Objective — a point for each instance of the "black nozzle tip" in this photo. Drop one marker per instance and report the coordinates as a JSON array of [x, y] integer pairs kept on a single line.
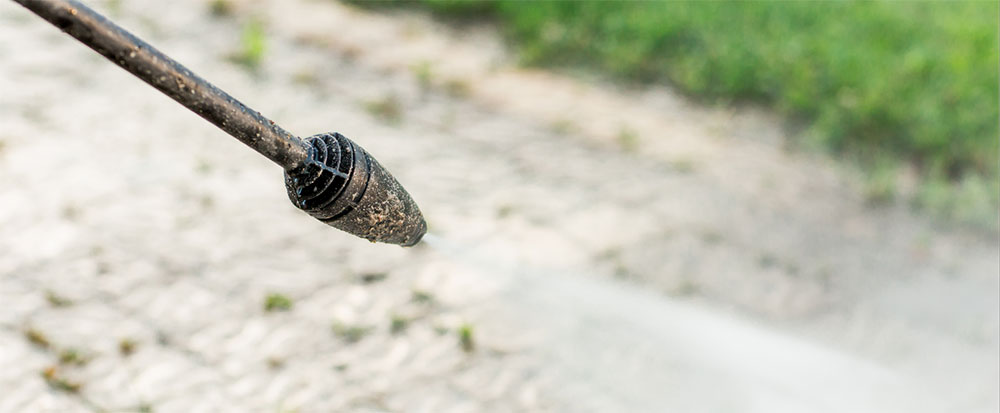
[[343, 186]]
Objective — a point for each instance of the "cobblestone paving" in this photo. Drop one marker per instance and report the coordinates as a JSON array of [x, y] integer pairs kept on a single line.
[[138, 246], [144, 243]]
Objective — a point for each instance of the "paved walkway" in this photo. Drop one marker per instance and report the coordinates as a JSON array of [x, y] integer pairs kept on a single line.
[[701, 270]]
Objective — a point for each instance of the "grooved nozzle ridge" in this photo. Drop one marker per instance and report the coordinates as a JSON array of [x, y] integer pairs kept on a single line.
[[343, 186]]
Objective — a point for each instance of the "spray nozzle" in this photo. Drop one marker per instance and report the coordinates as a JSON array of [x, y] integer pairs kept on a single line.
[[344, 187]]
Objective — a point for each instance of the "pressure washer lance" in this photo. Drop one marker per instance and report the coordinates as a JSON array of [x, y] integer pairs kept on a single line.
[[328, 176]]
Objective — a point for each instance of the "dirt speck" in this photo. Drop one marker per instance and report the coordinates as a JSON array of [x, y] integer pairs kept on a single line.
[[127, 346], [37, 338], [57, 300], [55, 380]]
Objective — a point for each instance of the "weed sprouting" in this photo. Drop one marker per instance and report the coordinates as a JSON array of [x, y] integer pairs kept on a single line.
[[387, 109], [424, 74], [398, 324], [466, 338], [350, 333], [277, 302], [253, 45], [422, 297], [71, 356]]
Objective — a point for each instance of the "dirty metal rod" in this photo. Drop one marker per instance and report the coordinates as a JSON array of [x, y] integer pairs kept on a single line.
[[173, 79]]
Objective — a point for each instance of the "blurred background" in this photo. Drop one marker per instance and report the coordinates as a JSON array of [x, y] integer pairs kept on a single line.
[[633, 207]]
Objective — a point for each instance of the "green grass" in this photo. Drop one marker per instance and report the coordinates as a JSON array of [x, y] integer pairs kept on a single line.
[[915, 82]]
